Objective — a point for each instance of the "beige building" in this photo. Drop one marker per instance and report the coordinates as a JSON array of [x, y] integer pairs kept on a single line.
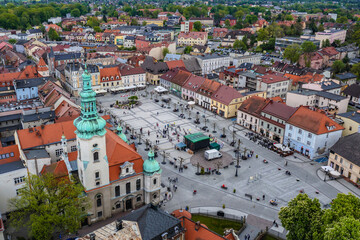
[[192, 38], [344, 157], [351, 122]]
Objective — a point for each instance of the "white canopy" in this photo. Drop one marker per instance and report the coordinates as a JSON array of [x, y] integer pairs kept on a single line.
[[335, 174], [327, 168], [282, 147], [100, 91], [160, 89], [191, 103]]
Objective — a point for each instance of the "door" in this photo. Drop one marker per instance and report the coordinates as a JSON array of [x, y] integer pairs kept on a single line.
[[128, 204]]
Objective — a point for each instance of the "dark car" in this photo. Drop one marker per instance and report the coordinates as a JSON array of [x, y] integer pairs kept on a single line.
[[166, 100]]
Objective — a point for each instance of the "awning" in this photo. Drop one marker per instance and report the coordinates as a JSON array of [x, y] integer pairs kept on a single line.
[[191, 103], [327, 168], [335, 174], [160, 89], [180, 145], [100, 91]]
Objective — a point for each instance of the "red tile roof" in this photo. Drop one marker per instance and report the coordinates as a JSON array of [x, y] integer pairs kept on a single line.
[[169, 75], [208, 88], [126, 70], [254, 105], [118, 152], [66, 112], [329, 51], [10, 150], [195, 231], [226, 94], [279, 110], [194, 83], [313, 121], [181, 77], [193, 35], [175, 64], [108, 73], [273, 78], [59, 169], [42, 65]]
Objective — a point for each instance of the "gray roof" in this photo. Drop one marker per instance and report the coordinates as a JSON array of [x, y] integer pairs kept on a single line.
[[248, 74], [76, 66], [10, 117], [50, 115], [28, 83], [345, 76], [12, 166], [36, 153], [192, 65], [353, 90], [67, 56], [355, 116], [74, 165], [153, 222], [211, 56], [328, 85], [348, 148], [153, 67], [319, 93], [34, 31]]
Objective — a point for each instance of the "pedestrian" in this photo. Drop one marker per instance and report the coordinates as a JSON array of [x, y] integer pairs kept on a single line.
[[263, 196], [148, 132], [285, 163]]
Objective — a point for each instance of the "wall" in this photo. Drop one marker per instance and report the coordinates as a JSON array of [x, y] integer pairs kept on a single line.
[[339, 163]]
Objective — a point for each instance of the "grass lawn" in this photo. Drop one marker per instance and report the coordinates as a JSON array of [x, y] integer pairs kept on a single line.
[[217, 225]]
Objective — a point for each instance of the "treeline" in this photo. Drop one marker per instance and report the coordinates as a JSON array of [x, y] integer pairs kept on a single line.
[[24, 17]]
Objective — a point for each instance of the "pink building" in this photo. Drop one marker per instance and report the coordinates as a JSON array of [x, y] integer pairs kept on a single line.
[[191, 86]]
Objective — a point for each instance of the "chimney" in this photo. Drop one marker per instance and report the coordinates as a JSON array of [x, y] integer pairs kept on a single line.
[[197, 225], [119, 224]]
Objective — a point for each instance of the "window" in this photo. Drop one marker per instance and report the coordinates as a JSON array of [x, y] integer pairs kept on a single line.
[[117, 205], [290, 127], [308, 142], [309, 135], [300, 131], [97, 175], [336, 156], [138, 184], [299, 139], [58, 152], [350, 128], [138, 199], [117, 191], [96, 156], [98, 200], [155, 180], [351, 166], [341, 160], [19, 180], [275, 128], [18, 191], [128, 188], [127, 170], [73, 148], [99, 214], [289, 134]]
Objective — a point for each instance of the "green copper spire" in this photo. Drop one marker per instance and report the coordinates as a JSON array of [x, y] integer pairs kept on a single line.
[[89, 123], [150, 165], [121, 134]]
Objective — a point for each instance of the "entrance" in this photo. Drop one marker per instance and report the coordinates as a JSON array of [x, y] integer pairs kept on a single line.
[[276, 138], [128, 204]]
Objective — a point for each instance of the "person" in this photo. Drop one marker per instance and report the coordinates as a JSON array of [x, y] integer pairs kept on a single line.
[[285, 163], [263, 196]]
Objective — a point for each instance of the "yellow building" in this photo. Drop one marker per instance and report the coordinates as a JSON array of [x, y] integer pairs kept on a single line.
[[149, 21], [345, 157], [119, 40], [351, 122], [192, 38], [227, 100]]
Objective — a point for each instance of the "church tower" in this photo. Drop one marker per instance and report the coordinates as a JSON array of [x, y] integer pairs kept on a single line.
[[93, 166], [152, 179]]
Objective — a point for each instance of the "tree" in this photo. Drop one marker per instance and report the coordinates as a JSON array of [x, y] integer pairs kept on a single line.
[[53, 205], [104, 18], [355, 69], [262, 34], [338, 67], [134, 22], [165, 51], [289, 18], [227, 23], [239, 45], [342, 19], [321, 28], [345, 228], [12, 41], [144, 23], [250, 19], [53, 35], [308, 47], [302, 218], [346, 59], [188, 49], [326, 43], [197, 26], [75, 12], [293, 53]]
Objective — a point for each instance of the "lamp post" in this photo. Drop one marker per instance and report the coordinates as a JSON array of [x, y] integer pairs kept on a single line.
[[164, 157], [139, 143], [214, 131]]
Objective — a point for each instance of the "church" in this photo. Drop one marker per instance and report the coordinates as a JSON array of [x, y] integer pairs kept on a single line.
[[114, 175]]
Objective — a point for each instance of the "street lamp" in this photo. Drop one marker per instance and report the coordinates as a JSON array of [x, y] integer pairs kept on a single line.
[[164, 155], [214, 131], [139, 143]]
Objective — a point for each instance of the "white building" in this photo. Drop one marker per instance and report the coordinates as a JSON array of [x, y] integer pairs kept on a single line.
[[311, 132], [210, 62], [274, 84]]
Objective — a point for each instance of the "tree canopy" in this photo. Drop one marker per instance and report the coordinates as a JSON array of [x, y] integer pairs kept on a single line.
[[197, 26], [308, 47], [293, 53], [53, 205], [304, 218]]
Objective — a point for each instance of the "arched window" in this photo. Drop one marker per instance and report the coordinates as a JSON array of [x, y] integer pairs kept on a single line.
[[98, 200], [154, 181], [96, 156]]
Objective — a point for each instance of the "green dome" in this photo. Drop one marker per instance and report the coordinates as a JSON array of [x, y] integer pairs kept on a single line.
[[88, 123], [150, 165], [121, 134]]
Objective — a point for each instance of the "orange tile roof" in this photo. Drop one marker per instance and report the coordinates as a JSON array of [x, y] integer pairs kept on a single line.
[[8, 150], [175, 64], [198, 232], [193, 35], [72, 156], [313, 121], [42, 65], [208, 87], [110, 72], [49, 134], [59, 169], [181, 213], [309, 77], [277, 99], [66, 112], [118, 152]]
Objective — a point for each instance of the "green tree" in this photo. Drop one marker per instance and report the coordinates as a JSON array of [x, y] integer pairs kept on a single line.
[[346, 59], [293, 53], [52, 204], [165, 51], [338, 67], [308, 47], [197, 26], [342, 19], [251, 19], [75, 12], [227, 23], [346, 228], [302, 218], [12, 41], [355, 69], [188, 49], [321, 28], [104, 18], [144, 23], [263, 34], [239, 45], [53, 35], [134, 22], [326, 43], [289, 18]]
